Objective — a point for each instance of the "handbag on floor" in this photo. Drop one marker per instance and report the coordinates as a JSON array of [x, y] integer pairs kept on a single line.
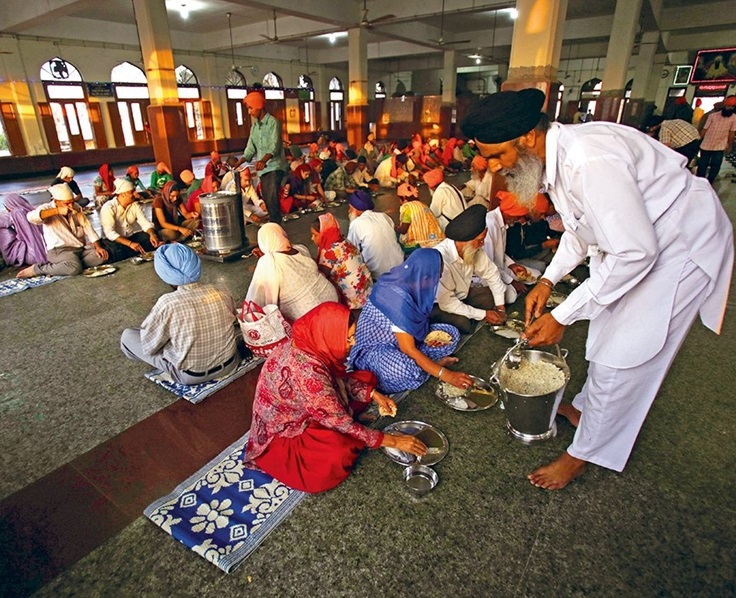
[[264, 328]]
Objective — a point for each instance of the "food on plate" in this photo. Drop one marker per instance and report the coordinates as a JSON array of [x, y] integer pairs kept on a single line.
[[532, 378]]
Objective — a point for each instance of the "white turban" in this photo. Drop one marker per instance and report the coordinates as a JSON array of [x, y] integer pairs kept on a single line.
[[65, 173], [61, 192], [123, 185]]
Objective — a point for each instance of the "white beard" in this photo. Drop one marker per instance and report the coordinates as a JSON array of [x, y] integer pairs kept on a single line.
[[524, 179], [469, 254]]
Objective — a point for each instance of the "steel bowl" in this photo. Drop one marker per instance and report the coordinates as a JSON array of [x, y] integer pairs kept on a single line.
[[420, 479]]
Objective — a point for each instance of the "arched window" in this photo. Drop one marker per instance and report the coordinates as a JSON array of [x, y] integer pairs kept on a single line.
[[591, 86], [235, 78], [337, 96], [305, 82], [236, 113], [380, 90], [67, 111], [274, 86], [131, 91], [589, 92], [272, 80], [198, 112]]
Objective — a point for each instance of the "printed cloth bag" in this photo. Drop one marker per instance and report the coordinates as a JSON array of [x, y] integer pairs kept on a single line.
[[264, 328]]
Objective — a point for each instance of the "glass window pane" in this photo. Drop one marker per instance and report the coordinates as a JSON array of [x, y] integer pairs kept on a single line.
[[189, 93], [130, 92], [126, 72], [135, 108], [71, 117], [190, 115], [58, 69], [239, 114], [65, 92], [236, 94], [125, 122], [274, 94], [84, 122], [61, 131], [198, 120]]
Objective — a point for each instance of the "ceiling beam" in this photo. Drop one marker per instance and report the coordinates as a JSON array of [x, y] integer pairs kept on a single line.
[[20, 15]]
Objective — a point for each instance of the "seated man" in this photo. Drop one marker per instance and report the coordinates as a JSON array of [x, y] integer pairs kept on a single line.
[[373, 234], [392, 171], [417, 225], [133, 175], [159, 177], [66, 175], [459, 303], [499, 216], [361, 175], [339, 182], [447, 201], [190, 333], [254, 208], [215, 168], [127, 230], [478, 188], [71, 242]]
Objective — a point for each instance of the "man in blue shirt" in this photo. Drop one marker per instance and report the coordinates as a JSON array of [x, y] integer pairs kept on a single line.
[[266, 145]]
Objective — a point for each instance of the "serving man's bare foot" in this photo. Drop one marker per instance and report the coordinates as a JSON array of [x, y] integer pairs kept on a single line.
[[569, 412], [559, 473], [28, 272]]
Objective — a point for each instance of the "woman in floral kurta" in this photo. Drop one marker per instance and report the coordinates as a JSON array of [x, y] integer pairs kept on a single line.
[[303, 431], [341, 262]]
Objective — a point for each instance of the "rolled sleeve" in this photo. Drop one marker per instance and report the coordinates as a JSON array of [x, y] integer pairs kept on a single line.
[[107, 219]]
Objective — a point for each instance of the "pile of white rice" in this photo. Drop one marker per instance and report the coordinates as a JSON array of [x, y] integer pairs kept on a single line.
[[449, 391], [532, 378]]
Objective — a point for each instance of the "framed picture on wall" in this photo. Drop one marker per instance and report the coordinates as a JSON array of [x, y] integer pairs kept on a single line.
[[682, 75]]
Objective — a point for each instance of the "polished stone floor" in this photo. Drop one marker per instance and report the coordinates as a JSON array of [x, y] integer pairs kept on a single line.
[[87, 443]]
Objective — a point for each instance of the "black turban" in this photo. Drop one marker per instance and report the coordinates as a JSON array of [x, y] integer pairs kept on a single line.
[[503, 116], [467, 225]]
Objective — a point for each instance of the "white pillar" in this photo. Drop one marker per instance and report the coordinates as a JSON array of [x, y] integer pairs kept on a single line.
[[449, 77]]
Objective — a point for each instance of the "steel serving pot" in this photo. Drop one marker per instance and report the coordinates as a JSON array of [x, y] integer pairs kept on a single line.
[[531, 418]]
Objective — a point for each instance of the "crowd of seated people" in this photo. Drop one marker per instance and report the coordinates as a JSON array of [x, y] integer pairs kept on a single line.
[[369, 299]]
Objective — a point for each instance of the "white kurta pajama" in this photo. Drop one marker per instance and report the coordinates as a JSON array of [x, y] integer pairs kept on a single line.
[[661, 251]]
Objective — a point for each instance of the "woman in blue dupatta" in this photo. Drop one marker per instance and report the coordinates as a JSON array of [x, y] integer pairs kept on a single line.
[[391, 338]]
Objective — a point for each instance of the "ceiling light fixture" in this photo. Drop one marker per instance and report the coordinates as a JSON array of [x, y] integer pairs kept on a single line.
[[477, 60], [333, 38], [512, 12], [184, 11]]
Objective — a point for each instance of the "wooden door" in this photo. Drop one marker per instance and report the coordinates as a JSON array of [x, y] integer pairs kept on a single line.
[[12, 129], [98, 127], [49, 128]]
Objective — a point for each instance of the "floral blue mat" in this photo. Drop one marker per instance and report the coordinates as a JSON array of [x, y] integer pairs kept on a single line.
[[16, 285], [224, 511], [199, 392]]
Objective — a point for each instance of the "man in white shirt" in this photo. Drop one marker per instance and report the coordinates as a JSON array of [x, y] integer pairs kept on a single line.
[[392, 171], [373, 234], [478, 188], [125, 226], [447, 201], [661, 253], [71, 242], [459, 303], [494, 246]]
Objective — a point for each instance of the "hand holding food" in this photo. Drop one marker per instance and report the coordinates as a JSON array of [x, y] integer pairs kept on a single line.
[[386, 406], [405, 442], [438, 338], [545, 330]]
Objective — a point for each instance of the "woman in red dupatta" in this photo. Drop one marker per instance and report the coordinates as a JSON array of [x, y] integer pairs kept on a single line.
[[303, 432]]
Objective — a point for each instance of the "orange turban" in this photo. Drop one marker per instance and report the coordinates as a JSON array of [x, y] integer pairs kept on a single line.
[[479, 163], [434, 177], [510, 205], [255, 100], [187, 176], [541, 206]]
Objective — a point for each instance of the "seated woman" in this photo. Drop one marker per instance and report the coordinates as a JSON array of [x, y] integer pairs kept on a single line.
[[104, 184], [287, 276], [170, 216], [392, 330], [341, 262], [296, 193], [21, 243], [66, 175], [303, 431]]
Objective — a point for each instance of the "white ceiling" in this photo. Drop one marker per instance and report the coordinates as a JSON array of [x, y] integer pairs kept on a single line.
[[482, 26]]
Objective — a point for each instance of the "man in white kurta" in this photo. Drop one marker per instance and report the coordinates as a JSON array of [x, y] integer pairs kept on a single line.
[[447, 201], [373, 234], [661, 253]]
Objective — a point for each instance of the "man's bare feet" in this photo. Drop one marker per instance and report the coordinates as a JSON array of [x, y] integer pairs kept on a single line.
[[569, 412], [559, 473], [26, 272], [449, 360]]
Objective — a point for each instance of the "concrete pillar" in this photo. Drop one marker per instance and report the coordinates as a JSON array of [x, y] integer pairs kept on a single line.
[[636, 108], [165, 114], [536, 45], [620, 44], [357, 110], [449, 91]]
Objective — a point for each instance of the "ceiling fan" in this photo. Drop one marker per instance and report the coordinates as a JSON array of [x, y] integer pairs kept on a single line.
[[368, 24], [441, 41], [275, 38], [235, 77]]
